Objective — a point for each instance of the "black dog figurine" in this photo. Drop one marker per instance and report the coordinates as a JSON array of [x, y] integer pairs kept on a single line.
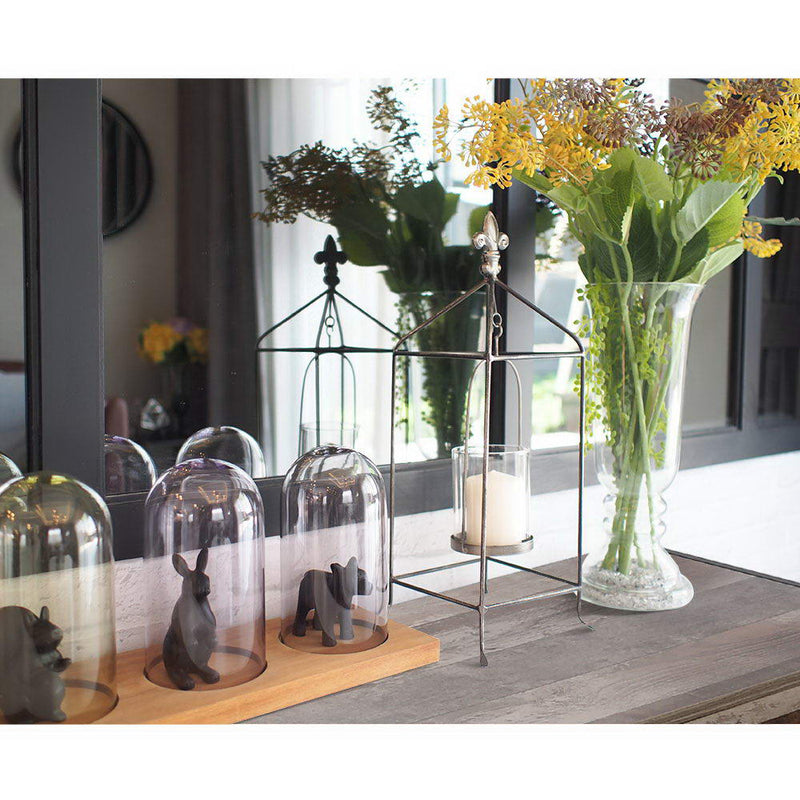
[[330, 594], [192, 634], [30, 688]]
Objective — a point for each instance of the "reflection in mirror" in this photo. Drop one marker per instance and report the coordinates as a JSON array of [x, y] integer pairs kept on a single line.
[[198, 277], [12, 301]]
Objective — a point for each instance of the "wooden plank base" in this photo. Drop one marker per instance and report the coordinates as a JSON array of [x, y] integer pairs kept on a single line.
[[291, 677]]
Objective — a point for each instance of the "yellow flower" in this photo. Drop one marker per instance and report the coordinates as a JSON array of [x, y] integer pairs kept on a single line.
[[157, 340], [755, 243], [197, 341]]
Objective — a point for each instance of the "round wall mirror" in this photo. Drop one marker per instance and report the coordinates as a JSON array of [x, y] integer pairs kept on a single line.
[[127, 170]]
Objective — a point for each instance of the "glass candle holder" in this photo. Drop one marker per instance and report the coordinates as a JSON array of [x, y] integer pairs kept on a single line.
[[225, 443], [507, 499], [334, 553], [57, 633], [318, 434], [204, 574], [129, 467]]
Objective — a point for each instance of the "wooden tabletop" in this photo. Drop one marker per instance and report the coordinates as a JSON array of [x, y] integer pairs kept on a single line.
[[731, 655]]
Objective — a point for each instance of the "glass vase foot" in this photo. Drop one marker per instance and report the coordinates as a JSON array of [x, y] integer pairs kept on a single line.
[[639, 590]]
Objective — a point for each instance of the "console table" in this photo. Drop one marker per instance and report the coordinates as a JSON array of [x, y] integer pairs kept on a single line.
[[732, 655]]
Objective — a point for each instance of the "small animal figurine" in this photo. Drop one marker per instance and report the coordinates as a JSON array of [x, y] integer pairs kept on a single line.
[[192, 634], [30, 688], [330, 594]]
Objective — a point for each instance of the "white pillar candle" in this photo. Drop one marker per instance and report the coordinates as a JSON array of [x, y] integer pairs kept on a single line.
[[506, 498]]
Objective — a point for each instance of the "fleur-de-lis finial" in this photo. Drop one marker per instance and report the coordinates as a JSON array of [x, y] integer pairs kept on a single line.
[[491, 241], [331, 258]]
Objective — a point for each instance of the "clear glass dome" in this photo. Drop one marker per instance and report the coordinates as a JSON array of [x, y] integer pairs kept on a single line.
[[129, 467], [226, 443], [334, 553], [57, 635], [8, 469], [204, 572]]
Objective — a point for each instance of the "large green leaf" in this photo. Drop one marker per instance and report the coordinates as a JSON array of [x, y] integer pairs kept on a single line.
[[363, 233], [714, 263], [425, 201], [703, 204], [652, 180], [727, 222], [536, 181], [476, 218], [643, 244]]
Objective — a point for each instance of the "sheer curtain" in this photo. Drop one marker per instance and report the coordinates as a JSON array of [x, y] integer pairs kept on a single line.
[[285, 114]]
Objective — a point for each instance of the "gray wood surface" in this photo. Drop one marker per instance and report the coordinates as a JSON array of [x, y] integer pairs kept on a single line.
[[721, 658]]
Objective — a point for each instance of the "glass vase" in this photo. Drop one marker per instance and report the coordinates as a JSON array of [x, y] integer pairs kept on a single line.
[[432, 416], [636, 374]]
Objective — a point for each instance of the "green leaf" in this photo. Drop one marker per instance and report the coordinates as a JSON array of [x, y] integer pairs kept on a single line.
[[450, 207], [694, 251], [363, 233], [643, 244], [715, 262], [476, 217], [703, 203], [567, 197], [652, 180], [424, 201], [618, 204], [536, 181], [727, 222], [794, 221]]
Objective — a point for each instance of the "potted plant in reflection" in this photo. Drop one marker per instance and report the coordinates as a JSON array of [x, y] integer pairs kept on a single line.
[[173, 346], [390, 210], [658, 198]]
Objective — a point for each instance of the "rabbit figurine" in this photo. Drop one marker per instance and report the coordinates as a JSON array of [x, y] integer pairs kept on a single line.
[[30, 688], [191, 637]]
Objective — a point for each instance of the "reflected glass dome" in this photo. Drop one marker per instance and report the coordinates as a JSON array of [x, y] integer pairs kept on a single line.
[[129, 467], [334, 553], [57, 634], [225, 443], [204, 577], [8, 469]]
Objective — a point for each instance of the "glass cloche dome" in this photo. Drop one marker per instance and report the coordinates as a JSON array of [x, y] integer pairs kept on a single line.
[[129, 467], [57, 634], [334, 553], [204, 568], [225, 443]]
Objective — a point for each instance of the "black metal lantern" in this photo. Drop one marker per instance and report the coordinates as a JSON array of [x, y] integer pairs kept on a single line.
[[491, 485]]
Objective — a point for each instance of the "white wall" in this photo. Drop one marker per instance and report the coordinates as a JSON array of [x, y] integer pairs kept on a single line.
[[139, 264]]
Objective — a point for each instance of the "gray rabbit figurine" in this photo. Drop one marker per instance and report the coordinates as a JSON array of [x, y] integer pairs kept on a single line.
[[30, 688], [192, 634]]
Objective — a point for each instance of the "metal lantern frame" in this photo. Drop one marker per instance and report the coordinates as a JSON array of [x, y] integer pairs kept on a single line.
[[490, 241], [328, 329]]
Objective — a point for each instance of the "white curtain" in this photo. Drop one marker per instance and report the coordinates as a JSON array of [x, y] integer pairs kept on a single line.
[[285, 114]]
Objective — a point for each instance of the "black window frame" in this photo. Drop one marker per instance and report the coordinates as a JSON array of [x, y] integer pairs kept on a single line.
[[64, 325]]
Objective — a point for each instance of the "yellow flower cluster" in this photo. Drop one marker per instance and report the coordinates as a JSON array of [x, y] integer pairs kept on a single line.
[[530, 135], [755, 243], [157, 340], [162, 343], [197, 341], [769, 137]]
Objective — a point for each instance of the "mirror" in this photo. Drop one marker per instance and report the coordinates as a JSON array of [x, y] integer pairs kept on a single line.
[[13, 431], [198, 277]]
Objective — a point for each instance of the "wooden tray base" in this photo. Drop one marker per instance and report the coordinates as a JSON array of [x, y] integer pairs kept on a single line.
[[291, 677]]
